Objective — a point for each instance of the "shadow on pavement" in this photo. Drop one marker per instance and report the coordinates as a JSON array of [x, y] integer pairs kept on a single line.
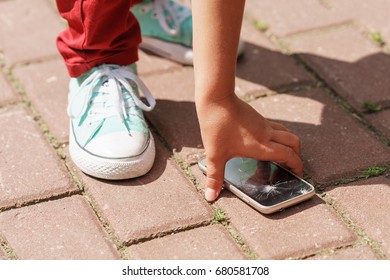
[[334, 144]]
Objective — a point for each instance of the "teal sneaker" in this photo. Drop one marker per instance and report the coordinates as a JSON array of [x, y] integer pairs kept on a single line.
[[166, 28], [109, 137]]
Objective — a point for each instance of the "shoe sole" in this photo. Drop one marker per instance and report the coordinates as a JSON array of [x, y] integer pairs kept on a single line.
[[174, 51], [112, 169]]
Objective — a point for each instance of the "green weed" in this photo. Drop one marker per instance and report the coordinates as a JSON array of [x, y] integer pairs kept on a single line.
[[377, 38], [219, 215], [261, 26], [372, 171], [371, 107]]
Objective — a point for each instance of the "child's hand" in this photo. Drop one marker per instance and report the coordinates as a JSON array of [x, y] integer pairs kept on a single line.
[[232, 128]]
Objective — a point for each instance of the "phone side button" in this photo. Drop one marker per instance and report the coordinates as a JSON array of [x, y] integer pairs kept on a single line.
[[245, 200]]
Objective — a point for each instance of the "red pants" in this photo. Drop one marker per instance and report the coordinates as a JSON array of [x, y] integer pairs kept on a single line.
[[99, 31]]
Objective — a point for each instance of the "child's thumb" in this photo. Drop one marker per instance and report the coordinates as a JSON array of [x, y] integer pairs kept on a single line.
[[214, 183]]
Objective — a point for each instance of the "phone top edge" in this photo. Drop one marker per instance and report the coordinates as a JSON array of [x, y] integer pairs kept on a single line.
[[202, 165]]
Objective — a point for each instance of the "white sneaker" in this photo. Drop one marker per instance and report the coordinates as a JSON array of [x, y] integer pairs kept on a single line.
[[166, 28], [109, 137]]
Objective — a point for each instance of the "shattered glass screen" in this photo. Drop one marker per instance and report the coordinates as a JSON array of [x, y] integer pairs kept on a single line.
[[264, 181]]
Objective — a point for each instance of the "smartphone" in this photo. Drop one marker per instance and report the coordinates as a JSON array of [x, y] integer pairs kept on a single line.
[[264, 185]]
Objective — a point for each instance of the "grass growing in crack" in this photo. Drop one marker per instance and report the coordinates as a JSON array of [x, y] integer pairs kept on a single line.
[[248, 252], [261, 25], [186, 168], [107, 227], [219, 216], [7, 249], [371, 107], [372, 171], [377, 38]]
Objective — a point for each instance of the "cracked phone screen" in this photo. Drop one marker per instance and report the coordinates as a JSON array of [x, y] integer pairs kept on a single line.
[[264, 181]]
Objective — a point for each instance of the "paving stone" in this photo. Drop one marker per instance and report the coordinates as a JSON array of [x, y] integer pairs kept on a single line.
[[60, 229], [373, 15], [289, 17], [298, 231], [205, 243], [381, 121], [149, 63], [29, 167], [7, 94], [263, 65], [161, 201], [28, 30], [350, 253], [348, 62], [334, 144], [46, 85], [367, 204]]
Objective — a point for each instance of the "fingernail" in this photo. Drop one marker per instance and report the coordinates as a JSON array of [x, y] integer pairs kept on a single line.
[[210, 194]]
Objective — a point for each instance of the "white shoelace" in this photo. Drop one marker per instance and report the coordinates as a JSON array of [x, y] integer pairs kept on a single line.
[[174, 14], [111, 92]]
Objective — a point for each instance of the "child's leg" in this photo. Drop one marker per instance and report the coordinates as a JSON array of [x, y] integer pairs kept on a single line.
[[99, 32], [109, 137]]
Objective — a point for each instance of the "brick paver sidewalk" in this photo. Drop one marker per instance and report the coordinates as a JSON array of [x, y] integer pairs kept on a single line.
[[321, 67]]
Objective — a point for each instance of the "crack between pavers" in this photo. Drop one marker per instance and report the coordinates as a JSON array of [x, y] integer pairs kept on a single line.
[[328, 251], [246, 249], [364, 238], [221, 219], [40, 200], [304, 32], [320, 29], [106, 225], [10, 254], [38, 60], [170, 70], [10, 105], [161, 234], [344, 181], [293, 88]]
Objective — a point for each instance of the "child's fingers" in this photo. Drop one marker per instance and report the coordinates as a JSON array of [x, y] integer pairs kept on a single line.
[[287, 139], [284, 155], [215, 178], [278, 126]]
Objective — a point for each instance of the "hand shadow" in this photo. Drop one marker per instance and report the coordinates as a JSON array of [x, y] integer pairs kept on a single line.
[[333, 141]]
